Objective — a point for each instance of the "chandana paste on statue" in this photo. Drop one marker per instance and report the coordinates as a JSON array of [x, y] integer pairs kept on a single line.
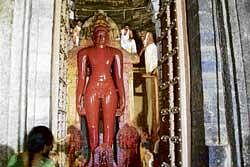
[[104, 88]]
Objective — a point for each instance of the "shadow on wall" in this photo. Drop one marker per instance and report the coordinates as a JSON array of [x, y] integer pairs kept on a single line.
[[5, 153]]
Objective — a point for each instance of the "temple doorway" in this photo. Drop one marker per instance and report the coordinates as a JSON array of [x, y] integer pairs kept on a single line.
[[203, 106], [170, 89]]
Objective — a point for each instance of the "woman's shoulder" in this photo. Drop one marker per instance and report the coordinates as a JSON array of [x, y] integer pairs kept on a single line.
[[15, 160], [46, 162], [12, 160]]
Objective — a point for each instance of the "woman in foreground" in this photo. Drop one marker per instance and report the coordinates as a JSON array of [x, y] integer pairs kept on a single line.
[[39, 144]]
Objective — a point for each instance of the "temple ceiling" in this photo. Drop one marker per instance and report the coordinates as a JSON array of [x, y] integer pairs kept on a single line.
[[136, 13]]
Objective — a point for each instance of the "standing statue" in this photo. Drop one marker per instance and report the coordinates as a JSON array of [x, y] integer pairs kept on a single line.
[[103, 88]]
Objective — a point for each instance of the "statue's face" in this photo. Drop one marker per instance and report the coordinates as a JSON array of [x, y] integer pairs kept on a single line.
[[100, 37]]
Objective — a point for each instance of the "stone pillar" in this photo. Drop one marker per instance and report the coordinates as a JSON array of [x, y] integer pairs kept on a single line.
[[240, 14], [25, 67], [6, 18], [221, 30], [199, 149]]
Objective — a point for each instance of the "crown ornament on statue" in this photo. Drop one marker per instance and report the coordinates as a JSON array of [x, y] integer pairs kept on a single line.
[[100, 21]]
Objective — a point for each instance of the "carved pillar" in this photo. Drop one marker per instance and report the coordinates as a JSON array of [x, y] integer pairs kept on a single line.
[[174, 86], [59, 79]]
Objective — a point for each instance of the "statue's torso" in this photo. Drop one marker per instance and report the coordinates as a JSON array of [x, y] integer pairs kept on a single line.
[[100, 62]]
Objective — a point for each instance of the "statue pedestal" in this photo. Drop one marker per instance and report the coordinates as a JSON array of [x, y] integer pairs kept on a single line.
[[103, 157]]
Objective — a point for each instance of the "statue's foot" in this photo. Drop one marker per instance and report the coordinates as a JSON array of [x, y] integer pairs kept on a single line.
[[103, 156]]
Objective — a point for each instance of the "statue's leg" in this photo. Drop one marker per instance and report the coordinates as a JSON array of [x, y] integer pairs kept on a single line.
[[92, 106], [109, 105]]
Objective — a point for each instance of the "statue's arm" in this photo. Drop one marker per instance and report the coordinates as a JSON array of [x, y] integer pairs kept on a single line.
[[118, 71], [81, 79]]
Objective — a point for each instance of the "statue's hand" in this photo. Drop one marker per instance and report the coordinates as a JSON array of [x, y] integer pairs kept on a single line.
[[81, 110], [121, 107]]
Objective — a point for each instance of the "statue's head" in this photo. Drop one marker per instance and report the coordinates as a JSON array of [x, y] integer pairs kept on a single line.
[[100, 28], [100, 35]]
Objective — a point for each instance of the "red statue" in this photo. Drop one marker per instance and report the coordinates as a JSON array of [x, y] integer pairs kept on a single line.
[[104, 88]]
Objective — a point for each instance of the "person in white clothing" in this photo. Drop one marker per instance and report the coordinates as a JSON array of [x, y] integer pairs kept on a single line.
[[130, 44], [151, 58], [125, 36], [76, 33]]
